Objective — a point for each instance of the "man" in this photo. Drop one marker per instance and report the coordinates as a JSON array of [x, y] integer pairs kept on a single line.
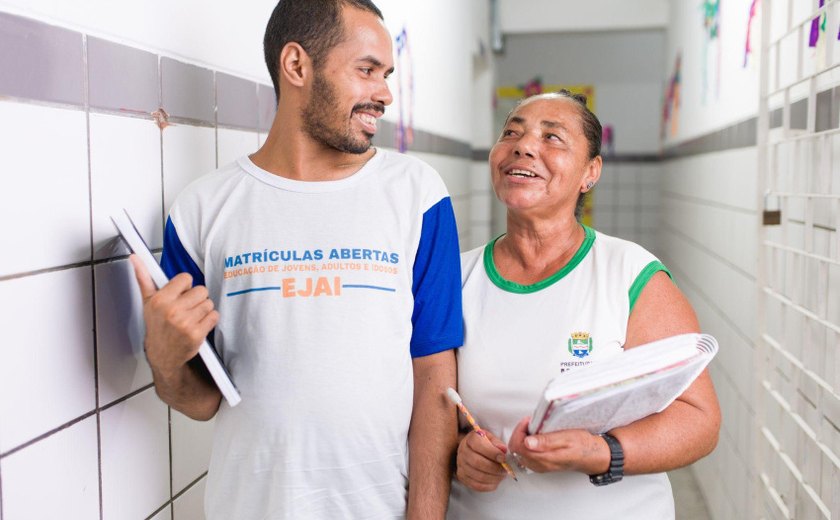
[[335, 271]]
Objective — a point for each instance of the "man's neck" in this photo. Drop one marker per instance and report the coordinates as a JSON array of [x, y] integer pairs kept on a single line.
[[290, 152]]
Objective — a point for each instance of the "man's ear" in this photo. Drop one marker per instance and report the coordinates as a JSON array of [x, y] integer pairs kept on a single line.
[[294, 64]]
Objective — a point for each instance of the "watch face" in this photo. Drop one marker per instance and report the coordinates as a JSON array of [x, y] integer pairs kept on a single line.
[[604, 478]]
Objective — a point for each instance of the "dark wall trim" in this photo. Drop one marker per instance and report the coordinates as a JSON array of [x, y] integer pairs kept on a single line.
[[423, 142], [739, 135]]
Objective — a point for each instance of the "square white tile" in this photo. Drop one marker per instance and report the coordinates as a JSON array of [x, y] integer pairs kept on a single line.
[[135, 457], [125, 173], [190, 505], [192, 442], [46, 362], [233, 144], [57, 477], [163, 514], [119, 332], [44, 203], [188, 153]]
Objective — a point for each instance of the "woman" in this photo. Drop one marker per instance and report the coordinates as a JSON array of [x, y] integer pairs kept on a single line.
[[545, 286]]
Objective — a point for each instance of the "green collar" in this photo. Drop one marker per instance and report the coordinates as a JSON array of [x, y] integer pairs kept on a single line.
[[505, 285]]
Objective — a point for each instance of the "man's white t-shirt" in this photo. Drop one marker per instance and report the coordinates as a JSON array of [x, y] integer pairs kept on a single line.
[[325, 290]]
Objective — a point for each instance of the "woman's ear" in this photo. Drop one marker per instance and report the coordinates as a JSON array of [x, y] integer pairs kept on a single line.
[[294, 64], [592, 175]]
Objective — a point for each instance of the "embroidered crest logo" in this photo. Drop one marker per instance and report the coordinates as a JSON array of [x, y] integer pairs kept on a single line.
[[580, 344]]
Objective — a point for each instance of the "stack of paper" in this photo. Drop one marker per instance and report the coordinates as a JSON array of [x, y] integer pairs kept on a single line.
[[624, 388], [128, 231]]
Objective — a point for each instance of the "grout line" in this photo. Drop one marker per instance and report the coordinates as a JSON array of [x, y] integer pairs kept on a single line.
[[86, 76], [126, 397], [131, 114], [171, 479], [158, 510], [701, 247], [41, 103], [67, 267], [47, 434], [162, 173], [686, 280], [189, 486], [46, 270], [706, 202], [240, 128], [171, 502], [216, 116], [188, 121]]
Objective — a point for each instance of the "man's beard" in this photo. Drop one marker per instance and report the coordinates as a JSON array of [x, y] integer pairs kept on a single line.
[[324, 123]]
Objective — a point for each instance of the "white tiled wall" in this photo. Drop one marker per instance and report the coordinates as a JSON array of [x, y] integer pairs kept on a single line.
[[135, 457], [47, 359], [188, 152], [233, 144], [626, 202], [52, 227], [707, 237], [122, 367], [55, 478], [125, 171]]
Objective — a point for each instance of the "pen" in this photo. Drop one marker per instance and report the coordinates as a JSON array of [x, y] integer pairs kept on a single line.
[[455, 398]]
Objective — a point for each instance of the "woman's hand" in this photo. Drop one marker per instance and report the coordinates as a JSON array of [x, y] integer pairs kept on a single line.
[[564, 450], [478, 462]]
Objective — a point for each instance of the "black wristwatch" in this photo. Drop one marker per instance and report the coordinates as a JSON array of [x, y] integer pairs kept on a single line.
[[616, 469]]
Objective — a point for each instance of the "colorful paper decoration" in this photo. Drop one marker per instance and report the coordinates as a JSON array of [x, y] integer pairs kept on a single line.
[[405, 93], [817, 27], [671, 107], [530, 87], [711, 27], [748, 44]]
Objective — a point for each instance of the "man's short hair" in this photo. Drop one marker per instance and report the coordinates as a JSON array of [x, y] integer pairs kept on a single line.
[[314, 24]]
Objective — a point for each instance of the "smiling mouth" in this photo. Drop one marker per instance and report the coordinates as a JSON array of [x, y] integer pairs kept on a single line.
[[525, 174], [368, 122]]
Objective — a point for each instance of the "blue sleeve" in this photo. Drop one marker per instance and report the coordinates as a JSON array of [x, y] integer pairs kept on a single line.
[[437, 319], [175, 259]]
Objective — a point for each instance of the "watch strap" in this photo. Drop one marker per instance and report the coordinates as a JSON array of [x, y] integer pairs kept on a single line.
[[616, 470]]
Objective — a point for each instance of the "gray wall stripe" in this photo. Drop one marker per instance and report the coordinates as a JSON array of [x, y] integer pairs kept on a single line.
[[187, 90], [122, 78], [236, 101], [424, 142], [45, 63], [41, 62], [739, 135], [267, 106]]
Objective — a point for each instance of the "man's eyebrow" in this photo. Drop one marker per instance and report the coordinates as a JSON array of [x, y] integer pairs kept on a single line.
[[516, 119], [375, 62]]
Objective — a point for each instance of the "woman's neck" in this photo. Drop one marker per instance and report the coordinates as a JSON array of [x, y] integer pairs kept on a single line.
[[532, 251]]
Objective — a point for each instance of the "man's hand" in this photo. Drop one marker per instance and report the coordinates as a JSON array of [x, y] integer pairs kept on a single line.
[[479, 461], [178, 317]]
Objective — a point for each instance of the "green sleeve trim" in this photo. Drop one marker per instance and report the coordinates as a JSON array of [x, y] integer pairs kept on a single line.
[[506, 285], [643, 279]]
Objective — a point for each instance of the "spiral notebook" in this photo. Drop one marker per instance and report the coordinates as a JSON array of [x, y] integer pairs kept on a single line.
[[134, 241], [624, 388]]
